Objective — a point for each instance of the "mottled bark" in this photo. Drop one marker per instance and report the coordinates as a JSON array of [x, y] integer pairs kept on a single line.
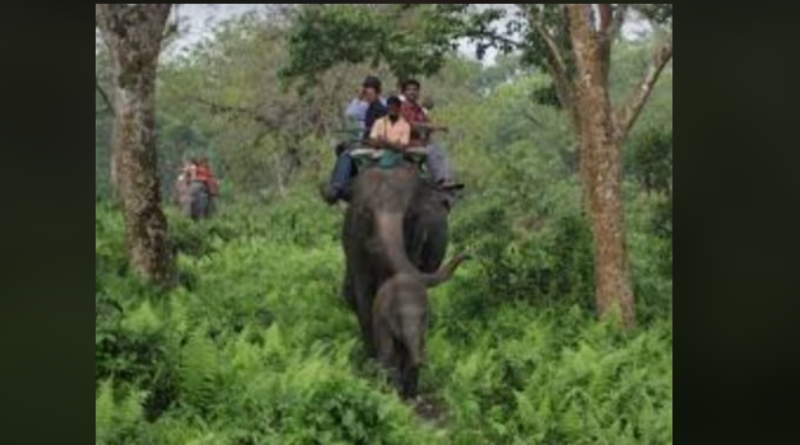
[[133, 34], [601, 165]]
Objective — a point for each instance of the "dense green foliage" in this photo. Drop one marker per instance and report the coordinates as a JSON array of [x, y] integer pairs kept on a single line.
[[416, 43], [254, 346]]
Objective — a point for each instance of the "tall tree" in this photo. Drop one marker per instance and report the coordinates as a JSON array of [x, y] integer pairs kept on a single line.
[[133, 34], [573, 42]]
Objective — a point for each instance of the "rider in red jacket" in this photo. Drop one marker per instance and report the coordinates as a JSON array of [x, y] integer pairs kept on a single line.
[[203, 173]]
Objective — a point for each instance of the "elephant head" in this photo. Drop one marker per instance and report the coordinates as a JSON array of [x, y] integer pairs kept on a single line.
[[400, 316]]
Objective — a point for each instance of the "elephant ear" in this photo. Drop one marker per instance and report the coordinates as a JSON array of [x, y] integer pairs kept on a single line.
[[449, 197]]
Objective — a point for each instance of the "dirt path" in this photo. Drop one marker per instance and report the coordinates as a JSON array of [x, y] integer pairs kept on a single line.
[[432, 410]]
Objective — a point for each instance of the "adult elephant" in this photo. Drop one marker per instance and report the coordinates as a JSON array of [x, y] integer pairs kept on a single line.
[[396, 223]]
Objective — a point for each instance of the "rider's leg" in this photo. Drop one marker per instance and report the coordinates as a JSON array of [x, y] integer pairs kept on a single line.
[[198, 201], [438, 164], [340, 148], [439, 167], [340, 178]]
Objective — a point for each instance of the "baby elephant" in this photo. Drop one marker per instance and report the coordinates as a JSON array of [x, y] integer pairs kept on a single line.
[[400, 322]]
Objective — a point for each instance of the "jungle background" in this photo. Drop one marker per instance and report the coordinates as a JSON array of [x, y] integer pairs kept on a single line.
[[251, 343]]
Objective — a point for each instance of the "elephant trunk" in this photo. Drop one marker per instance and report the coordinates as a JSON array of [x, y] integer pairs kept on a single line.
[[412, 321], [389, 226], [445, 272], [416, 356]]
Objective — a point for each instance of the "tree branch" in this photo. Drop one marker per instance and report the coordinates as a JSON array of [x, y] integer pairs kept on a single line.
[[629, 112], [103, 15], [606, 15], [171, 30], [611, 21], [103, 95], [115, 20], [558, 63], [618, 19], [531, 117], [497, 40], [564, 89], [253, 114]]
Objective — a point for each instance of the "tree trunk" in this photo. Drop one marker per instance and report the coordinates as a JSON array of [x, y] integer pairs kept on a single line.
[[601, 167], [114, 176], [133, 35], [583, 92], [601, 171]]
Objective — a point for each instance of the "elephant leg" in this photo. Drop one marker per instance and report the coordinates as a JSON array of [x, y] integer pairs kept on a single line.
[[413, 338], [348, 289], [364, 296], [385, 344], [409, 379], [355, 253], [387, 353]]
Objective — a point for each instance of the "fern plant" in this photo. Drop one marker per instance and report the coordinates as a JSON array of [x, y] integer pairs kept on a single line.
[[117, 420]]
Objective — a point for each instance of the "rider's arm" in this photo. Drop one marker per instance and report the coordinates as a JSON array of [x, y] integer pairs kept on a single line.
[[375, 135], [356, 110], [427, 126], [408, 111]]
